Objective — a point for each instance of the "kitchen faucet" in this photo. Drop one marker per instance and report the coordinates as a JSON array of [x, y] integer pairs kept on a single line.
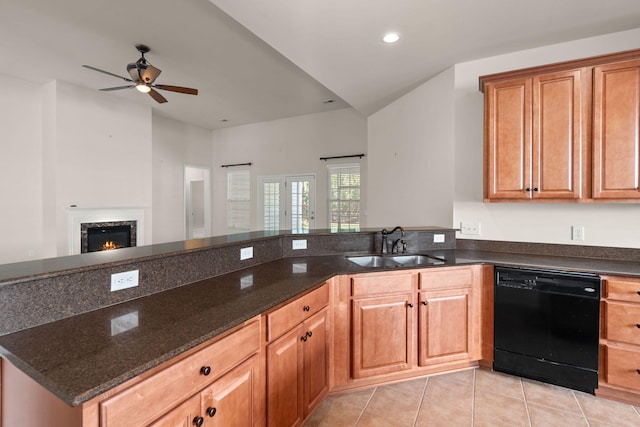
[[385, 242]]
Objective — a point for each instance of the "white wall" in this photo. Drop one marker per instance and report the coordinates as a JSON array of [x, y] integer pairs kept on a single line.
[[175, 144], [411, 163], [288, 146], [20, 170], [606, 224], [103, 149]]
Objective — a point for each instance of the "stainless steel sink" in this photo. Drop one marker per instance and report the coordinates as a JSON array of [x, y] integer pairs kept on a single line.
[[394, 260]]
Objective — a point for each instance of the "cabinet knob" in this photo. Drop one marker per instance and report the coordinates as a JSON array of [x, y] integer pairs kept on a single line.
[[303, 338], [211, 411], [205, 370], [306, 308], [424, 303], [410, 305], [527, 189], [638, 371], [638, 292], [535, 188], [638, 325], [309, 333], [198, 421]]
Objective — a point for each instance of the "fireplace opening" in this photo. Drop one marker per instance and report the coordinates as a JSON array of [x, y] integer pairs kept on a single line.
[[104, 236]]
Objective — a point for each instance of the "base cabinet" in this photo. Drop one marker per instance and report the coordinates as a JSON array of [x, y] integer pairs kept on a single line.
[[404, 324], [444, 326], [619, 376], [298, 360]]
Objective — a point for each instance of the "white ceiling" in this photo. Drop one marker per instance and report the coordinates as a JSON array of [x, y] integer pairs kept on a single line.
[[297, 54]]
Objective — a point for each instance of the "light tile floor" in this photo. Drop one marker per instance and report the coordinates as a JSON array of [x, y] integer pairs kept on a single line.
[[471, 398]]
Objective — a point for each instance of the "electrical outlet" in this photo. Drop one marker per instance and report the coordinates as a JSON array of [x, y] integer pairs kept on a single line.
[[577, 232], [438, 238], [246, 253], [472, 228], [125, 280], [299, 244]]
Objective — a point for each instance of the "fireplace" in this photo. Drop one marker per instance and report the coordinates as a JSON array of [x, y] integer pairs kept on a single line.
[[80, 219], [102, 236]]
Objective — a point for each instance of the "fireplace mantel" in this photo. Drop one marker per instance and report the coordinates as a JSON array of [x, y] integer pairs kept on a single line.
[[77, 216]]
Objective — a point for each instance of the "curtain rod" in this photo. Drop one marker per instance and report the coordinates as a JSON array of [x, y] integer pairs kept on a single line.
[[342, 157], [236, 164]]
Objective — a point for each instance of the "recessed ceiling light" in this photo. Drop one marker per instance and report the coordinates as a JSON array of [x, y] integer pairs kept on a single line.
[[391, 37]]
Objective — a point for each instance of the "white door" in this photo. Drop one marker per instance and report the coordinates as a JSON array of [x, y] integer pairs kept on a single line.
[[300, 211], [287, 202]]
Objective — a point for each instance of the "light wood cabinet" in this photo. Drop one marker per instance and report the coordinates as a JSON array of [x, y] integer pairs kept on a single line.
[[616, 131], [297, 358], [620, 339], [564, 132], [382, 331], [534, 136], [394, 335], [145, 401]]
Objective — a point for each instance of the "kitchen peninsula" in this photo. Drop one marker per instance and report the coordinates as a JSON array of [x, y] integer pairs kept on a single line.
[[63, 328]]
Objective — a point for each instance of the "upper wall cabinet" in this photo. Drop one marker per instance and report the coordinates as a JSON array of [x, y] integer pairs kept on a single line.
[[564, 132], [616, 127]]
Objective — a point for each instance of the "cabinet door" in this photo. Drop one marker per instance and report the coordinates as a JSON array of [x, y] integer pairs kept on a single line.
[[184, 415], [382, 334], [231, 401], [316, 360], [616, 128], [508, 139], [558, 129], [444, 326], [284, 379]]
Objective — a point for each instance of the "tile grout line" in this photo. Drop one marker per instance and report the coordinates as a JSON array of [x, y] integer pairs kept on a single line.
[[364, 408], [526, 404], [473, 399], [580, 407], [424, 391]]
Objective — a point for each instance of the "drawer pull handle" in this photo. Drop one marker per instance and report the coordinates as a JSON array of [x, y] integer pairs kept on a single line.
[[303, 338], [198, 421], [205, 370], [309, 333], [211, 411], [306, 308]]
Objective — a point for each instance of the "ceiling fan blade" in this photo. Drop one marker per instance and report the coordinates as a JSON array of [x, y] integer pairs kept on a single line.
[[159, 98], [178, 89], [117, 88], [107, 72]]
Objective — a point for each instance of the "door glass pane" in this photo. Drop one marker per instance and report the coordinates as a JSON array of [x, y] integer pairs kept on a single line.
[[271, 207]]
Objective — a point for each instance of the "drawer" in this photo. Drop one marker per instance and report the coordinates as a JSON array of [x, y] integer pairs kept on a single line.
[[381, 284], [622, 367], [623, 322], [622, 289], [446, 278], [295, 312], [151, 398]]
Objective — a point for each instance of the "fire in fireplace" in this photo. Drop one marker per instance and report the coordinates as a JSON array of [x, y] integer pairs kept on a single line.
[[104, 236]]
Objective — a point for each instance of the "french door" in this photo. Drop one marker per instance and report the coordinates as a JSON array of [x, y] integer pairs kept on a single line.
[[287, 202]]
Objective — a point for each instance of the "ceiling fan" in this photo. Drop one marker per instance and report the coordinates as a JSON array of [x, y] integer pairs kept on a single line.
[[143, 77]]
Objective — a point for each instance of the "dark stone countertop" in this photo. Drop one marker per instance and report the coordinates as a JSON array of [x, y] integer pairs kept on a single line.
[[81, 357]]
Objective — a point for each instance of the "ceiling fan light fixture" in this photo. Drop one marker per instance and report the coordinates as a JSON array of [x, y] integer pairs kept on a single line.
[[143, 88]]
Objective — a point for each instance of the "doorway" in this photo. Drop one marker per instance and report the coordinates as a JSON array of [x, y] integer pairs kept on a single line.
[[287, 202], [197, 202]]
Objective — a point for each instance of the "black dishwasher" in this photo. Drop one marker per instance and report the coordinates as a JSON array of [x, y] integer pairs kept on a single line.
[[546, 326]]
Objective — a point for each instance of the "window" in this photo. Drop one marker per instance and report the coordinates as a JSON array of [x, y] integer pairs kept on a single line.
[[344, 197], [238, 200]]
